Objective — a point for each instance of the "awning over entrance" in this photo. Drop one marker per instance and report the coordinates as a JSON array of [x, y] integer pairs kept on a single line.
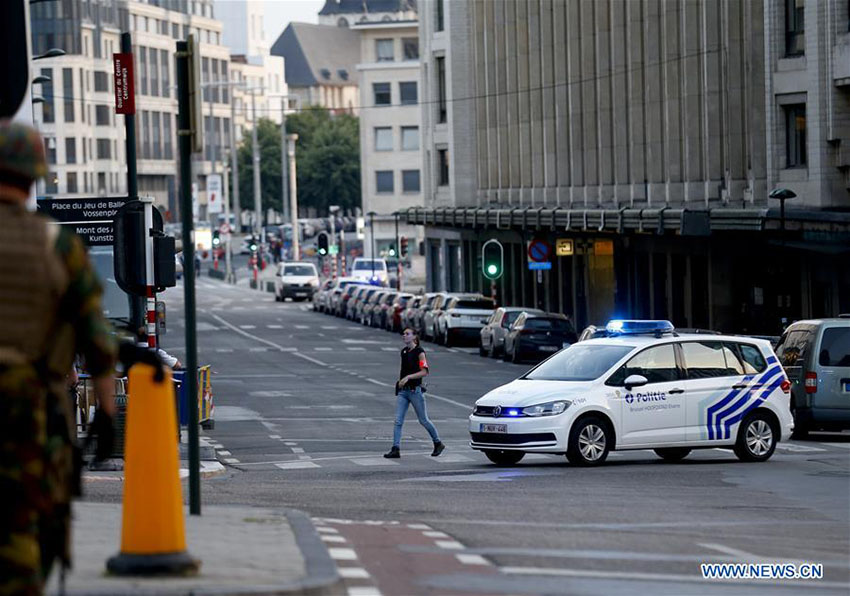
[[686, 222]]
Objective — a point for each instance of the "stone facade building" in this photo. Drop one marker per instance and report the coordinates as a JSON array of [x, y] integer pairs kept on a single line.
[[649, 135]]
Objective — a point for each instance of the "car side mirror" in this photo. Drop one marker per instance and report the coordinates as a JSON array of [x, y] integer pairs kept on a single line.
[[635, 381]]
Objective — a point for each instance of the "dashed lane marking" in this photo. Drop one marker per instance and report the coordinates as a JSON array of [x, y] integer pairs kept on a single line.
[[302, 326], [224, 452], [373, 461], [389, 349], [297, 450], [297, 465], [449, 544], [323, 349], [224, 350], [356, 349], [274, 436], [342, 554], [274, 326], [353, 572], [231, 460], [471, 559], [247, 326], [332, 539]]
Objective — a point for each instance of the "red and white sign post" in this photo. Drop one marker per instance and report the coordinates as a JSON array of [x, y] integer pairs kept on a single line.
[[125, 96]]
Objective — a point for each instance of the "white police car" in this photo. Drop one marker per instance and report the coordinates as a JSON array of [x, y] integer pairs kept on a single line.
[[642, 387]]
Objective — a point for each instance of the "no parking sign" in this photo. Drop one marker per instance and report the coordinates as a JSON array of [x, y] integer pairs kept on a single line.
[[539, 252]]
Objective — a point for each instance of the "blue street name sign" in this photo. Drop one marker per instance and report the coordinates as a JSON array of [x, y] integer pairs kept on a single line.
[[539, 266]]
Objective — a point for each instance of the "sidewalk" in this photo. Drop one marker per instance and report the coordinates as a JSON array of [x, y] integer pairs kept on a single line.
[[242, 550]]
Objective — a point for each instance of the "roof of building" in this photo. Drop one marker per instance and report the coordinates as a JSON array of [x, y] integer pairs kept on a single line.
[[366, 6], [318, 54]]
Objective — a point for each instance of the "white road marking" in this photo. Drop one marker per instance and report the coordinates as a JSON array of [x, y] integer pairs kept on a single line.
[[247, 326], [797, 448], [419, 526], [231, 460], [224, 452], [449, 544], [728, 550], [289, 443], [297, 465], [329, 327], [320, 349], [389, 349], [224, 350], [274, 326], [472, 559], [435, 534], [373, 461], [379, 383], [258, 349], [451, 458], [356, 349], [334, 539], [297, 450], [302, 326], [274, 436], [364, 591], [326, 530], [304, 457], [342, 554], [353, 573]]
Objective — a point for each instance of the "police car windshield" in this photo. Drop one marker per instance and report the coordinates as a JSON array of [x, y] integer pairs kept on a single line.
[[579, 363]]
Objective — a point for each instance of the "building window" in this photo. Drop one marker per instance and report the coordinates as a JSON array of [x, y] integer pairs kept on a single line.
[[175, 30], [205, 78], [101, 182], [143, 71], [166, 136], [443, 167], [442, 111], [410, 180], [72, 182], [47, 109], [70, 150], [146, 135], [154, 71], [438, 24], [384, 50], [408, 93], [51, 183], [384, 181], [101, 115], [68, 92], [410, 138], [342, 22], [157, 151], [382, 94], [103, 149], [101, 81], [410, 48], [166, 81], [383, 138], [50, 149], [224, 92], [795, 136], [795, 31]]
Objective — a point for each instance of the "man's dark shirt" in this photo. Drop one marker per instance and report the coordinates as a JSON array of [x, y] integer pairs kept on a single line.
[[412, 361]]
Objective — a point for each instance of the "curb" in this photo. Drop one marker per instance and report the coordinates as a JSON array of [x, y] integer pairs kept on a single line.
[[322, 575]]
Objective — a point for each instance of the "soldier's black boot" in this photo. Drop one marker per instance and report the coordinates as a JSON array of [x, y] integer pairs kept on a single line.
[[393, 453]]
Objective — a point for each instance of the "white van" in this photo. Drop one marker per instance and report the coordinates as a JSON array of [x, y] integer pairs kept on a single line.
[[370, 270]]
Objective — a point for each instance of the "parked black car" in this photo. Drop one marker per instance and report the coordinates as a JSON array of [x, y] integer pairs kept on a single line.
[[538, 336]]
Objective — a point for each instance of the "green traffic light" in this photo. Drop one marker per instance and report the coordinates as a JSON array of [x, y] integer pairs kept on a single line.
[[392, 252], [492, 269]]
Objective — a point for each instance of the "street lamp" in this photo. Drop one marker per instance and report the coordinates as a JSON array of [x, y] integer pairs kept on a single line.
[[782, 194], [51, 53]]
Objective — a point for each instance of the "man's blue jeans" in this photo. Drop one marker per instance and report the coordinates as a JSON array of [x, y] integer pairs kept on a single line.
[[413, 397]]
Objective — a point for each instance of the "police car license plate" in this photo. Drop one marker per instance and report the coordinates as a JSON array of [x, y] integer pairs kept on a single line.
[[494, 428]]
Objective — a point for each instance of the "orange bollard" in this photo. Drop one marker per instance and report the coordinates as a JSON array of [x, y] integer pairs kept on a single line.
[[153, 538]]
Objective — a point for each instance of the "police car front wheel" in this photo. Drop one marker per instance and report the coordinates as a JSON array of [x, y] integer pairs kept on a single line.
[[757, 438], [590, 441]]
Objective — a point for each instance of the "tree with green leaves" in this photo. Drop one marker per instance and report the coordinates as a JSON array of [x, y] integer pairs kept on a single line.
[[327, 156]]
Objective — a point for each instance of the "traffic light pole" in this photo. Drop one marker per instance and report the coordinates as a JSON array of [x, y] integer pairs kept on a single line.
[[184, 137], [137, 319], [397, 256]]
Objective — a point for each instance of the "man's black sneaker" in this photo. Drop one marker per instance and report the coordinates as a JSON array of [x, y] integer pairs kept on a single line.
[[393, 453], [438, 449]]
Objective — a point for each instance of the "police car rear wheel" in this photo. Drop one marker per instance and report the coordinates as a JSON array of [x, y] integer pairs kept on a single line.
[[504, 458], [672, 453], [589, 442], [756, 439]]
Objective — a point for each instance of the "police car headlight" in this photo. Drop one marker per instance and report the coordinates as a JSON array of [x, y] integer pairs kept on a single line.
[[551, 408]]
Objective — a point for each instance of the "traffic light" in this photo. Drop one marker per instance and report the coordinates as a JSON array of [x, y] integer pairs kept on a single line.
[[322, 243], [403, 247], [391, 250], [492, 259], [216, 239], [253, 246]]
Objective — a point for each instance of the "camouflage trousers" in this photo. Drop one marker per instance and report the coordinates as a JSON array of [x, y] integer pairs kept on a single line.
[[35, 476]]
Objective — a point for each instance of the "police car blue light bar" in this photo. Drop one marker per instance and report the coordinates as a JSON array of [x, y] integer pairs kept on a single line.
[[636, 327]]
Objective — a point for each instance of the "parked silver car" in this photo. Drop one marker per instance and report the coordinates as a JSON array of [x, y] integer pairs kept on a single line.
[[816, 357], [492, 335]]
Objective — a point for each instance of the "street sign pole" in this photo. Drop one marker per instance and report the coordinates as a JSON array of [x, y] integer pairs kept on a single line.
[[125, 103], [185, 133]]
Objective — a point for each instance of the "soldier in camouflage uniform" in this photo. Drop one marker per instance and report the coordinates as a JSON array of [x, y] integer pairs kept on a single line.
[[50, 309]]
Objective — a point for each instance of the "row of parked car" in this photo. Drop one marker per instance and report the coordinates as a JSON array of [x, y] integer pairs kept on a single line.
[[516, 334]]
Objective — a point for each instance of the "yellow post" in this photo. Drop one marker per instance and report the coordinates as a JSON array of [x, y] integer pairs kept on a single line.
[[153, 538]]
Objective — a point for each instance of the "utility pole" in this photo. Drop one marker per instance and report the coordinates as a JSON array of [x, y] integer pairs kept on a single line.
[[284, 182], [372, 232], [255, 148], [293, 198], [397, 256], [234, 161], [212, 157]]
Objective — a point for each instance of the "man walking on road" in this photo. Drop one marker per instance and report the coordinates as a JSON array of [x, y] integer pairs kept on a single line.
[[50, 310], [409, 391]]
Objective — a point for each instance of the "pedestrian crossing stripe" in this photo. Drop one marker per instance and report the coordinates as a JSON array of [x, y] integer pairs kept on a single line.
[[297, 465]]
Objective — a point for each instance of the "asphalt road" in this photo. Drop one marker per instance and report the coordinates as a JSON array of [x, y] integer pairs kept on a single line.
[[304, 407]]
